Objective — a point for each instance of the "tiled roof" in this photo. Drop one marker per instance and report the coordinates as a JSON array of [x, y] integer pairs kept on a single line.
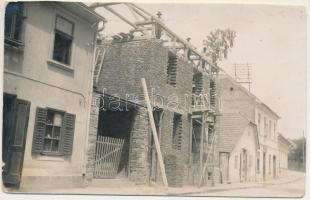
[[230, 128]]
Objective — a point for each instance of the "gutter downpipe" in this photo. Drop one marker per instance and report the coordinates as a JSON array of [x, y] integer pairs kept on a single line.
[[95, 27]]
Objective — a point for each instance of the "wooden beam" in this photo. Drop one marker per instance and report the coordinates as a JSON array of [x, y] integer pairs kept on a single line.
[[140, 23], [154, 131], [137, 11], [96, 5], [120, 16]]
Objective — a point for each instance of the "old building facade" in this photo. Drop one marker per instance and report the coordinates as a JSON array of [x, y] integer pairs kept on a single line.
[[284, 147], [48, 58], [236, 99], [236, 148]]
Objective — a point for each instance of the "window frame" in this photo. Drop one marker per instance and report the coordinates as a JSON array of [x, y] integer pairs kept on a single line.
[[259, 123], [55, 30], [60, 140], [12, 41]]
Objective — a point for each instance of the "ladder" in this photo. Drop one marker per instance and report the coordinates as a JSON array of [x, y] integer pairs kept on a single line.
[[209, 160], [98, 63]]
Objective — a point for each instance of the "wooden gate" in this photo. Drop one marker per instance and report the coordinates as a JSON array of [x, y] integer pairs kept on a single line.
[[108, 155]]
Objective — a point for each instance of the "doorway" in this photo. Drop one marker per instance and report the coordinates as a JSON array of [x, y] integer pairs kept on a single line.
[[224, 163], [15, 123], [243, 165], [264, 166], [113, 142], [274, 167]]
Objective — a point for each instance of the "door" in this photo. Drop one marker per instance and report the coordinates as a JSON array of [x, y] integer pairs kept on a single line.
[[15, 123], [244, 165], [264, 166], [274, 167], [224, 163]]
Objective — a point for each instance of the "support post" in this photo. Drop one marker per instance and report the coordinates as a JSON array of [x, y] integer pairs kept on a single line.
[[154, 131], [202, 144]]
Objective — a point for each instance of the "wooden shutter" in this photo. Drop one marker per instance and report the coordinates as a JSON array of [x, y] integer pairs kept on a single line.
[[39, 131], [14, 163], [68, 133]]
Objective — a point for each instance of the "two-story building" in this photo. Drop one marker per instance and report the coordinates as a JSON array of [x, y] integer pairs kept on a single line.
[[235, 98], [284, 146], [48, 60]]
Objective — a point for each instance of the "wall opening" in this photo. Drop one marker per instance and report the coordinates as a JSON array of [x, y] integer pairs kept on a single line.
[[196, 138], [197, 84], [212, 93], [172, 69], [115, 127], [177, 132]]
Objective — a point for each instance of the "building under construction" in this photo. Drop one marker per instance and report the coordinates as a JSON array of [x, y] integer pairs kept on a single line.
[[181, 83]]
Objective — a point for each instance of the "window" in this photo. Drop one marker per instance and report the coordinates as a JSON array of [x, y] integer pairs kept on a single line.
[[172, 69], [269, 168], [63, 40], [236, 162], [198, 84], [177, 132], [250, 161], [13, 23], [53, 132], [265, 126], [258, 121], [258, 162], [269, 131], [274, 130], [212, 93]]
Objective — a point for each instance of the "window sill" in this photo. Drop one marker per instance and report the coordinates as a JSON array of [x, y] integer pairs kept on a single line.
[[51, 157], [14, 44], [60, 65]]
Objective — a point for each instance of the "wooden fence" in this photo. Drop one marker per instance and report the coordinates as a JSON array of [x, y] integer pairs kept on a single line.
[[108, 155]]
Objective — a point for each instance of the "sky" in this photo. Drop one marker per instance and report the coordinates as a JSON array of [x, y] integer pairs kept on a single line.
[[272, 39]]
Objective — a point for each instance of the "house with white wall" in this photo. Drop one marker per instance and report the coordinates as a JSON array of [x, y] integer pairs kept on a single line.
[[237, 146], [235, 98], [48, 61], [284, 147]]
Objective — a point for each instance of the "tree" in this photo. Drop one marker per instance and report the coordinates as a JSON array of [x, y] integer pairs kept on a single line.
[[218, 43]]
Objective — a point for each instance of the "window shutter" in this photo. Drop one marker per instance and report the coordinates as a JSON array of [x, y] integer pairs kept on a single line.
[[39, 131], [68, 133]]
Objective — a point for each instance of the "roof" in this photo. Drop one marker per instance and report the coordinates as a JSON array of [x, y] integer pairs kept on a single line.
[[257, 100], [231, 128], [289, 143], [82, 10]]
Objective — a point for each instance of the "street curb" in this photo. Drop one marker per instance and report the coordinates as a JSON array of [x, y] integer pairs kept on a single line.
[[258, 185]]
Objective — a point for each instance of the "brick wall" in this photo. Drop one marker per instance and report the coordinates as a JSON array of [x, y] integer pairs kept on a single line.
[[124, 66], [126, 63], [92, 137], [177, 170], [138, 165]]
